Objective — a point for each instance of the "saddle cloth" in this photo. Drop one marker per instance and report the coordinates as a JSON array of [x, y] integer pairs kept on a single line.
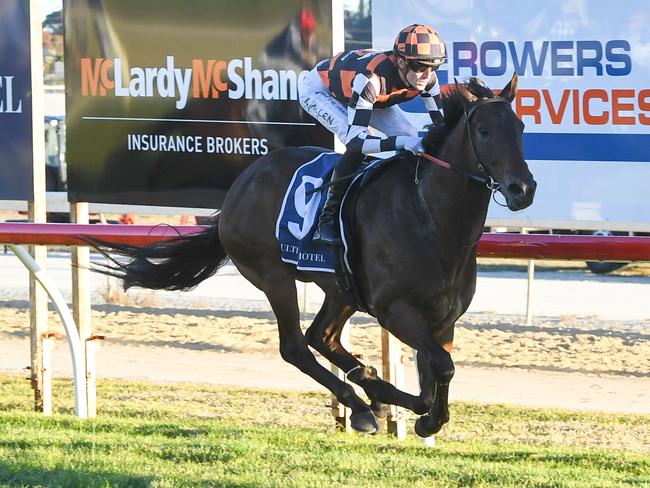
[[298, 218]]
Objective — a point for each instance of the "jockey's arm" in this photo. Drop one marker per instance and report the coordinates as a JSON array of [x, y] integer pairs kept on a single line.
[[431, 98], [362, 100]]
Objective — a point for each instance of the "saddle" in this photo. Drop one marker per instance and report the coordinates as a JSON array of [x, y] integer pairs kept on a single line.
[[298, 219]]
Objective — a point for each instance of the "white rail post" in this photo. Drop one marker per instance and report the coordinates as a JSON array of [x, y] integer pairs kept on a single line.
[[81, 305], [391, 353], [340, 412], [531, 284], [529, 294], [399, 421], [305, 298]]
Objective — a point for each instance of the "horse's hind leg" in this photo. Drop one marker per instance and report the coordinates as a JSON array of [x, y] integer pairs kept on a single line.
[[280, 289], [324, 335]]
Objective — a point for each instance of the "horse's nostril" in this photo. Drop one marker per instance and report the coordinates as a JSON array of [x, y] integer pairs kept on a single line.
[[516, 190]]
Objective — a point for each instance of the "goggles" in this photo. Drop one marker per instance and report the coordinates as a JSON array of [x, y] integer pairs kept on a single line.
[[419, 67]]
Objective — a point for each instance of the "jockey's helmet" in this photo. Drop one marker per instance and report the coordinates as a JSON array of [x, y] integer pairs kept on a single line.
[[421, 44]]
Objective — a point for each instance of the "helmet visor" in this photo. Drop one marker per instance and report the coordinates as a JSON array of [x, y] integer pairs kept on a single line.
[[433, 62]]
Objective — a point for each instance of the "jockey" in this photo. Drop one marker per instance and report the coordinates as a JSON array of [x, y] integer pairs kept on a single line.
[[358, 90]]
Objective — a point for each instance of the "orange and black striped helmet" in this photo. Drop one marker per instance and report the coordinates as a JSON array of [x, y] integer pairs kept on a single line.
[[422, 44]]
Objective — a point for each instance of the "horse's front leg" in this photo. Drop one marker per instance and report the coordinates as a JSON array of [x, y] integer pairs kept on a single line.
[[435, 394], [436, 367]]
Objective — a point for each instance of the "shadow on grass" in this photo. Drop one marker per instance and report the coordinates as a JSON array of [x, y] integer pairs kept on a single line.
[[19, 475], [586, 460], [13, 475]]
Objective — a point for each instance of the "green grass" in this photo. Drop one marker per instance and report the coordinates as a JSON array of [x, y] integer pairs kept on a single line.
[[197, 435]]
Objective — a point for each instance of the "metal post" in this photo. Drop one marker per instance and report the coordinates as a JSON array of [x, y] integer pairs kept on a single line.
[[78, 368], [47, 350], [37, 329], [36, 210]]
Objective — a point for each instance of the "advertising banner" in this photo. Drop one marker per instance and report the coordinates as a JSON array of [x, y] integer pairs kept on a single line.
[[584, 93], [16, 173], [168, 102]]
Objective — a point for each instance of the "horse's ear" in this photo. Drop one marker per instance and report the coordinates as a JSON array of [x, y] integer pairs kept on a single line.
[[510, 90], [478, 88], [464, 92]]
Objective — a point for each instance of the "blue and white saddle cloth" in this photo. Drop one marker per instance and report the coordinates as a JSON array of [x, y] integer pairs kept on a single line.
[[298, 219]]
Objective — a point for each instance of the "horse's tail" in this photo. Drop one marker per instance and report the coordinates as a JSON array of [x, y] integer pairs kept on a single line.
[[177, 264]]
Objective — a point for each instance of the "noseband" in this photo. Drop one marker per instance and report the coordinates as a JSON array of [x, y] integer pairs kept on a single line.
[[487, 180]]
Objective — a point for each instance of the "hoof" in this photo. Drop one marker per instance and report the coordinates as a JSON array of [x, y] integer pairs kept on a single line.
[[364, 422], [380, 410], [425, 426]]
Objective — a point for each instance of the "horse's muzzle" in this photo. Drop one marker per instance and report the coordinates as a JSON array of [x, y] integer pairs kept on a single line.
[[519, 194]]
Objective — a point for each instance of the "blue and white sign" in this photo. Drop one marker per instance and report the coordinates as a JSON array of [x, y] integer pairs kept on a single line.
[[15, 102], [584, 93]]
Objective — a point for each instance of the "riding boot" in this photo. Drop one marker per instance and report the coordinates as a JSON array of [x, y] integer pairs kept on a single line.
[[328, 228], [328, 232]]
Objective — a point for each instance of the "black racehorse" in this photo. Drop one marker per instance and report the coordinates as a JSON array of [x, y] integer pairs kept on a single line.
[[417, 225]]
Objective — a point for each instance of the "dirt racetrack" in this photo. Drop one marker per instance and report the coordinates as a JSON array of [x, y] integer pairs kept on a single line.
[[556, 344]]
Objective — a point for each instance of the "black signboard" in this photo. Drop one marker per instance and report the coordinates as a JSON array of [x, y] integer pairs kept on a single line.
[[16, 171], [168, 101]]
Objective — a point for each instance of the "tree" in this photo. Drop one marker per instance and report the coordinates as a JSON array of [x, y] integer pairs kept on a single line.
[[53, 23]]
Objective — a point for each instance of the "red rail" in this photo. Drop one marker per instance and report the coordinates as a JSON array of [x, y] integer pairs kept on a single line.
[[528, 246], [544, 246], [72, 234]]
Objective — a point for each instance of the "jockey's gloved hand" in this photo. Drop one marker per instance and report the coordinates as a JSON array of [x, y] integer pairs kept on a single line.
[[412, 144], [435, 135]]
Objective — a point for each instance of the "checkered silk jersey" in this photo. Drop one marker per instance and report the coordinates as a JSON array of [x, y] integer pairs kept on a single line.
[[368, 79]]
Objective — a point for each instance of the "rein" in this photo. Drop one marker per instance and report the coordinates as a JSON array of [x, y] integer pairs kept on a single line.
[[488, 181]]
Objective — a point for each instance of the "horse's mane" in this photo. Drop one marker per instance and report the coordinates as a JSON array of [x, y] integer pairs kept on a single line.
[[454, 100]]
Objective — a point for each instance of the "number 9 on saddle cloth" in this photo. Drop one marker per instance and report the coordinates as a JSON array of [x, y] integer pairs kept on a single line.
[[298, 219]]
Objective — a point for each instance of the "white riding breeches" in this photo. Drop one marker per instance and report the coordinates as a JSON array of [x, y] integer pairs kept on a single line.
[[318, 102]]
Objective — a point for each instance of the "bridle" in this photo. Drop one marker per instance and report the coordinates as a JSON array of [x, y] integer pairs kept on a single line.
[[484, 177]]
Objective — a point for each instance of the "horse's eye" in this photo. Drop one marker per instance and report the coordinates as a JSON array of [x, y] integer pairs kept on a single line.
[[483, 131]]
